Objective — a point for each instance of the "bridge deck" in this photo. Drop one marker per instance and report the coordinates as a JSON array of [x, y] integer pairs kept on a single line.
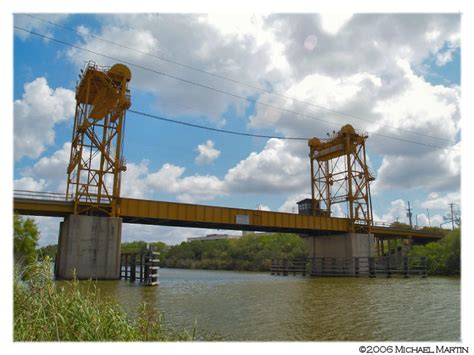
[[394, 233], [42, 207], [201, 216], [191, 215]]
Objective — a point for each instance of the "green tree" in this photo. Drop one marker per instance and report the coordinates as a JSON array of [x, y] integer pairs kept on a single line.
[[25, 240], [137, 246], [47, 251], [443, 257], [251, 252]]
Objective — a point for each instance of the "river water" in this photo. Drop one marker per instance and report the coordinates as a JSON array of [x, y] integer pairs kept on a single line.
[[241, 306]]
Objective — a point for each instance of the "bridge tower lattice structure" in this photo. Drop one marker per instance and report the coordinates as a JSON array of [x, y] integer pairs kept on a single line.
[[96, 162], [340, 174]]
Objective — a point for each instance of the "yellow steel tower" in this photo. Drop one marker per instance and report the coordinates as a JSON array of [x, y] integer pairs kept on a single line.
[[339, 174], [96, 163]]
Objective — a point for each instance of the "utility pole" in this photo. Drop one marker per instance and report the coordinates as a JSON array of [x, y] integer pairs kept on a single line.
[[409, 214], [429, 220], [416, 221], [452, 215]]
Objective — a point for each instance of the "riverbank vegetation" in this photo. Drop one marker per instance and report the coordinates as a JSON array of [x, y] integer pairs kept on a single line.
[[248, 253], [254, 252], [137, 246], [25, 242], [442, 257], [44, 311], [73, 311]]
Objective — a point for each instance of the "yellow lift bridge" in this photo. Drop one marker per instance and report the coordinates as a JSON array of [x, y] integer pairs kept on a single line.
[[339, 175]]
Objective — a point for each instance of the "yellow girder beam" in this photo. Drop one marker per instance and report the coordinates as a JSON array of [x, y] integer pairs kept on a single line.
[[387, 232], [223, 217], [37, 207], [191, 215]]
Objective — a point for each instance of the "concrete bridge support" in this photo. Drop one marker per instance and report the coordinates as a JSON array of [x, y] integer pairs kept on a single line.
[[89, 247], [343, 249], [345, 245]]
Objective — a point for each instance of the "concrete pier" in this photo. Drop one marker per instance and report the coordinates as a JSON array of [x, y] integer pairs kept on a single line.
[[347, 253], [347, 245], [89, 247]]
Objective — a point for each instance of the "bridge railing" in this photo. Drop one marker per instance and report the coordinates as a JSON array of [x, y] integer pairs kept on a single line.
[[42, 195], [390, 225], [58, 196], [382, 224]]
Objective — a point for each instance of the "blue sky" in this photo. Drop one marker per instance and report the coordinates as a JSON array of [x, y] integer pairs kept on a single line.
[[401, 73]]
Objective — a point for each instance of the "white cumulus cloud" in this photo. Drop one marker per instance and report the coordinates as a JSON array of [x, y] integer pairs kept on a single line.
[[275, 168], [36, 114], [47, 174], [441, 201], [207, 153], [193, 40], [28, 183], [32, 24], [364, 65]]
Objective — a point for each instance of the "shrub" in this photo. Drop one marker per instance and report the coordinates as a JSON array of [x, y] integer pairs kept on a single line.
[[443, 257], [25, 240]]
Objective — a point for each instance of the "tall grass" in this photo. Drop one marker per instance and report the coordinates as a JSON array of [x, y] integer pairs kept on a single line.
[[44, 311]]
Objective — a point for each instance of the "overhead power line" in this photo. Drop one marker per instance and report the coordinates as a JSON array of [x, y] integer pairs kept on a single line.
[[160, 118], [215, 89], [272, 92]]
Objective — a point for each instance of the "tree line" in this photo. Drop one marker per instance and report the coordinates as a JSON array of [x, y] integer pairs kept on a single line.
[[443, 257], [249, 253]]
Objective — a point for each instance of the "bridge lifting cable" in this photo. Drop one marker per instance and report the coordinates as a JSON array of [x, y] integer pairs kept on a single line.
[[218, 90]]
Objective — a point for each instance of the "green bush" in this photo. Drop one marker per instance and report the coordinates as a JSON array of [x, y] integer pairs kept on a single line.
[[137, 246], [49, 251], [248, 253], [25, 240], [44, 311], [443, 257]]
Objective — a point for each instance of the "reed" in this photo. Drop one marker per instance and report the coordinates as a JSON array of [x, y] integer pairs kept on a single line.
[[44, 311]]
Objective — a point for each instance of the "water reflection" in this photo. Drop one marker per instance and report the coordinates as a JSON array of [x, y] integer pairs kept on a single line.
[[258, 306]]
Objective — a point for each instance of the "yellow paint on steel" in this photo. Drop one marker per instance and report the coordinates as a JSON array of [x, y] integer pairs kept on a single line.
[[36, 207], [172, 211], [340, 174], [402, 233], [96, 162]]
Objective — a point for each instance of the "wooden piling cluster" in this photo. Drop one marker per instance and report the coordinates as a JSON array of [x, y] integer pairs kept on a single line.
[[142, 266], [387, 266], [398, 266], [285, 267]]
